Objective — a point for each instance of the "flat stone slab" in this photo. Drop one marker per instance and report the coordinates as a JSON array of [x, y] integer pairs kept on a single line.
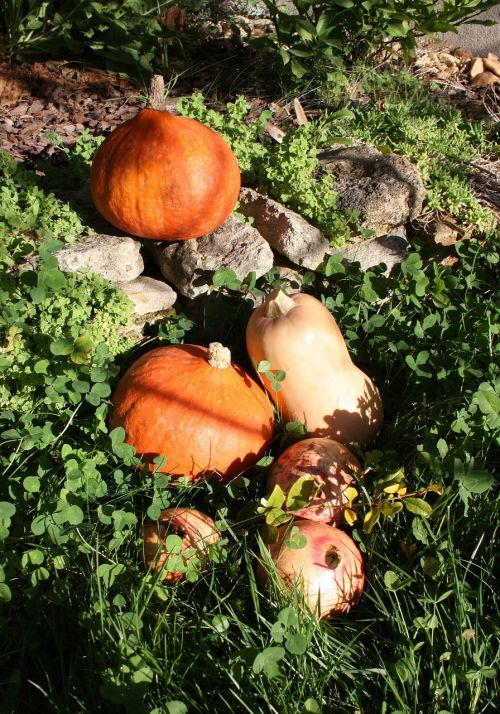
[[285, 231], [189, 265], [116, 258], [149, 295]]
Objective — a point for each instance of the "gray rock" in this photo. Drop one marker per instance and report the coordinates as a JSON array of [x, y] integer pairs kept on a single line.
[[285, 231], [190, 264], [390, 249], [149, 295], [385, 189], [116, 258]]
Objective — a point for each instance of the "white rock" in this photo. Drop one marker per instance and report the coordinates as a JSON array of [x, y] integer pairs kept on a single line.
[[116, 258], [390, 249], [149, 295], [386, 190]]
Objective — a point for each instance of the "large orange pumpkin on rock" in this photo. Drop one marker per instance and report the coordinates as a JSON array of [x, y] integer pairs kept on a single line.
[[195, 407], [164, 177]]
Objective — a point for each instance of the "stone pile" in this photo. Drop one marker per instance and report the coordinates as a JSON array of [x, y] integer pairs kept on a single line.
[[385, 190]]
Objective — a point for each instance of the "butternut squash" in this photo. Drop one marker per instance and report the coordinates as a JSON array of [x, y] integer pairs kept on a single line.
[[322, 388]]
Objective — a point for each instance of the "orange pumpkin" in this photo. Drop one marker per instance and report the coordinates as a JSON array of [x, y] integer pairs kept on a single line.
[[164, 177], [191, 404]]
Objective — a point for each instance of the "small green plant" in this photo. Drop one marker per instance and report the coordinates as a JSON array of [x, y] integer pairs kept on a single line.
[[52, 327], [74, 172], [27, 214], [284, 170], [437, 139]]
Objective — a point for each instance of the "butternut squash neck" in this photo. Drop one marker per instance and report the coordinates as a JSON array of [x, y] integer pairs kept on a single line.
[[278, 304]]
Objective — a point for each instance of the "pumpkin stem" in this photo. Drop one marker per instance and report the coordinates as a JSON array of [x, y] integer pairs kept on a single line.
[[278, 304], [156, 95], [218, 355]]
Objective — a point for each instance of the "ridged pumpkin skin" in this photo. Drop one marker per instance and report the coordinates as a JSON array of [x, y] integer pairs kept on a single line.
[[331, 466], [322, 389], [164, 177], [200, 417]]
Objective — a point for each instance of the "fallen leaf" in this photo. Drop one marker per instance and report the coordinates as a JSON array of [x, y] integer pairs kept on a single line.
[[469, 634], [492, 65], [448, 59], [444, 235], [484, 79], [299, 112], [462, 53], [275, 132]]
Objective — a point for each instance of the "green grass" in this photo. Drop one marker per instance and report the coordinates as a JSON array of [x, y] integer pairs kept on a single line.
[[85, 628]]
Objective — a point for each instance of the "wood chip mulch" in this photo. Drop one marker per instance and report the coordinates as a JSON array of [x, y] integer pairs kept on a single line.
[[38, 98]]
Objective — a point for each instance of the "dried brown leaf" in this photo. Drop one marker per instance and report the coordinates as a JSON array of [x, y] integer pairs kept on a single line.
[[476, 67], [484, 79], [275, 132], [492, 65], [299, 112]]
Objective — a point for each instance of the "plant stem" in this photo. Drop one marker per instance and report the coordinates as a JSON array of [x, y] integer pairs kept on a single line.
[[156, 96]]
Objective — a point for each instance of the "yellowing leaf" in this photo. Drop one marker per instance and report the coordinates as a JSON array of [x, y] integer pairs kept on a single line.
[[276, 517], [370, 520], [393, 487], [390, 509], [350, 516], [419, 507], [436, 488], [299, 112], [275, 132], [276, 499], [12, 339], [402, 490], [350, 494], [300, 493]]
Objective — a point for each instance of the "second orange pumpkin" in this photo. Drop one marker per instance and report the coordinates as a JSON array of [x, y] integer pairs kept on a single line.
[[195, 407]]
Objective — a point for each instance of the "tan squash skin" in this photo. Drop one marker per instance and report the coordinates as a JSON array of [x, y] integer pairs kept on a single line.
[[322, 389]]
